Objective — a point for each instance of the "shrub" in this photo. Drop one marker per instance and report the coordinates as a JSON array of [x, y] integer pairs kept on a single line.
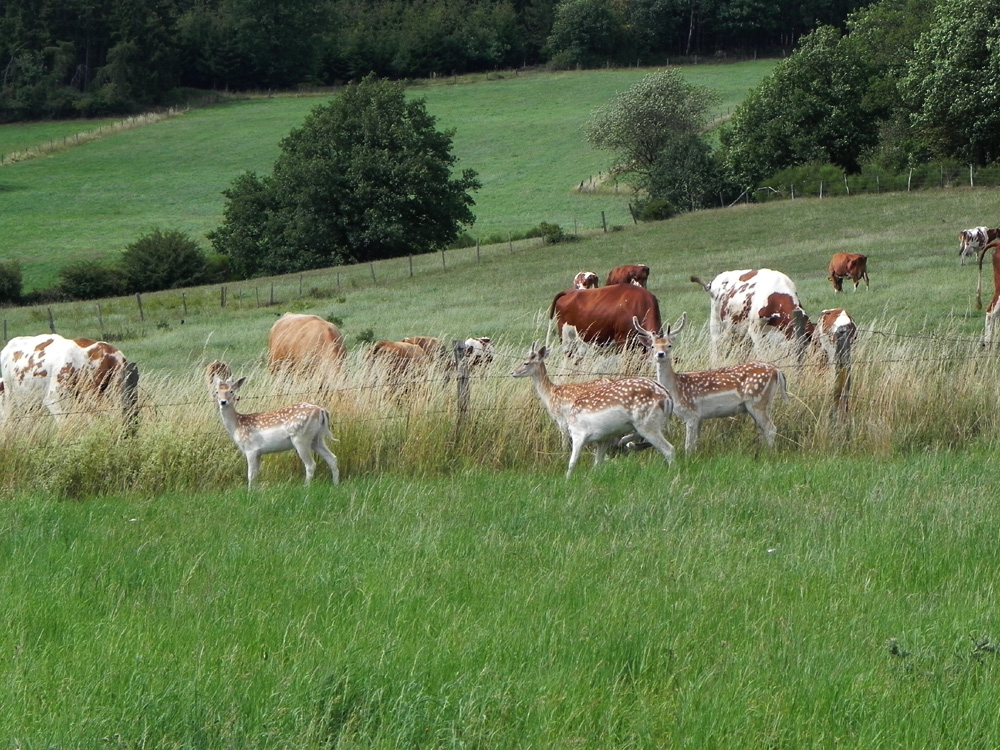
[[654, 209], [10, 282], [163, 260], [90, 279]]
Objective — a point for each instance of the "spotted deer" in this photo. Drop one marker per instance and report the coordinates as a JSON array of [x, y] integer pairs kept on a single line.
[[727, 392], [303, 428], [602, 410]]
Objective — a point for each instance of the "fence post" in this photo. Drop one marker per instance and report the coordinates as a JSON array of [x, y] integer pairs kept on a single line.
[[510, 243], [271, 300], [442, 259], [478, 259], [100, 319], [842, 381], [604, 222], [411, 269], [52, 322], [300, 286], [222, 296], [184, 303], [799, 324], [371, 266], [460, 350]]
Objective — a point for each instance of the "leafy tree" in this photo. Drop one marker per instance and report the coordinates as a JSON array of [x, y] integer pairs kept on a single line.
[[163, 260], [952, 82], [654, 132], [366, 177], [584, 32], [811, 108], [90, 279]]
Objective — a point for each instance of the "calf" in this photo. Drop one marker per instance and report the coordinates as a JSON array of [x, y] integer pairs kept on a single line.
[[586, 280], [635, 274]]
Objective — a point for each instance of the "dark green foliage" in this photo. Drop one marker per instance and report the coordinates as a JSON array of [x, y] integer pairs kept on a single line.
[[952, 83], [584, 32], [10, 282], [90, 279], [654, 209], [552, 234], [366, 177], [811, 108], [163, 260]]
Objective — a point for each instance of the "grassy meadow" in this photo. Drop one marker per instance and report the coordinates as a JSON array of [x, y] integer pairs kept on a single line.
[[523, 134], [455, 590]]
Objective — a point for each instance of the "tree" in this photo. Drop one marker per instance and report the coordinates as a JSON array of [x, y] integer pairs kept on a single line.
[[584, 32], [654, 131], [366, 177], [813, 107], [952, 82]]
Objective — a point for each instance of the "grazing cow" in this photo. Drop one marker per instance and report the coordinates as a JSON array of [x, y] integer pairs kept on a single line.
[[586, 280], [834, 326], [974, 241], [848, 266], [636, 274], [56, 372], [432, 346], [298, 344], [604, 315], [759, 305], [993, 310], [479, 351], [396, 356]]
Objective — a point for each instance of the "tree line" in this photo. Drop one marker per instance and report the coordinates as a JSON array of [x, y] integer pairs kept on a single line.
[[71, 58]]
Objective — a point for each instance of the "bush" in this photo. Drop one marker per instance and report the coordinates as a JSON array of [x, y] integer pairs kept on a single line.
[[90, 279], [551, 234], [654, 209], [10, 282], [164, 260]]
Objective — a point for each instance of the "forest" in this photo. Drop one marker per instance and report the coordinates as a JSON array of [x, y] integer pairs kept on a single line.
[[73, 58]]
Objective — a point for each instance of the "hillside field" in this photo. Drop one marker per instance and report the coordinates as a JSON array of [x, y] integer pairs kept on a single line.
[[522, 133], [455, 590]]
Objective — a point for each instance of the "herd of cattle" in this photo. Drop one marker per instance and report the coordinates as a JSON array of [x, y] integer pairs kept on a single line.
[[755, 307]]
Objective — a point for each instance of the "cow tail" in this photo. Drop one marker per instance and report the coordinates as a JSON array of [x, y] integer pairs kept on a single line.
[[552, 312], [700, 283]]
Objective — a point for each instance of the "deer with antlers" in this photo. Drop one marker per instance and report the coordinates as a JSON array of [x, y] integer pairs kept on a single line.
[[303, 428], [600, 411], [727, 392]]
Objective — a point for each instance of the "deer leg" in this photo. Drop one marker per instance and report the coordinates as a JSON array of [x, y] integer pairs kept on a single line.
[[654, 435], [691, 432], [253, 467], [574, 456], [305, 453], [327, 455], [767, 428]]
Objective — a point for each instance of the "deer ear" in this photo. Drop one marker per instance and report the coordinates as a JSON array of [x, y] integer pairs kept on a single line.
[[543, 352], [238, 384]]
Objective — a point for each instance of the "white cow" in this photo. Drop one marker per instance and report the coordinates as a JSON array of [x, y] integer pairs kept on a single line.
[[55, 372], [756, 305]]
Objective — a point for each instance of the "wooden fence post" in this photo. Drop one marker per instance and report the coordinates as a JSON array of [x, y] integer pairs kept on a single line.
[[271, 302], [842, 381], [52, 322], [799, 324], [138, 301], [411, 269], [100, 319], [462, 380], [371, 265]]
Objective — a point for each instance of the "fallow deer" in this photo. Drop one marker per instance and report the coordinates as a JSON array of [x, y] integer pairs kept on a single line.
[[727, 392], [599, 411], [303, 428]]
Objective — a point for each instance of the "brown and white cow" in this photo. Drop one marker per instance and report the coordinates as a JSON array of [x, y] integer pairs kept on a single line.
[[974, 240], [59, 373], [759, 305], [586, 280], [851, 266], [604, 315], [993, 309], [635, 274], [834, 333], [300, 344]]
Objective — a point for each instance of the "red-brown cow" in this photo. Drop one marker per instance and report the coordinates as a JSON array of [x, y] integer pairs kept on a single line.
[[835, 332], [396, 355], [299, 343], [637, 275], [604, 315], [586, 280], [848, 266], [993, 310]]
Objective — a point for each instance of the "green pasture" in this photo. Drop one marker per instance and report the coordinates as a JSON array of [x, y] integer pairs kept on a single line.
[[522, 133]]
